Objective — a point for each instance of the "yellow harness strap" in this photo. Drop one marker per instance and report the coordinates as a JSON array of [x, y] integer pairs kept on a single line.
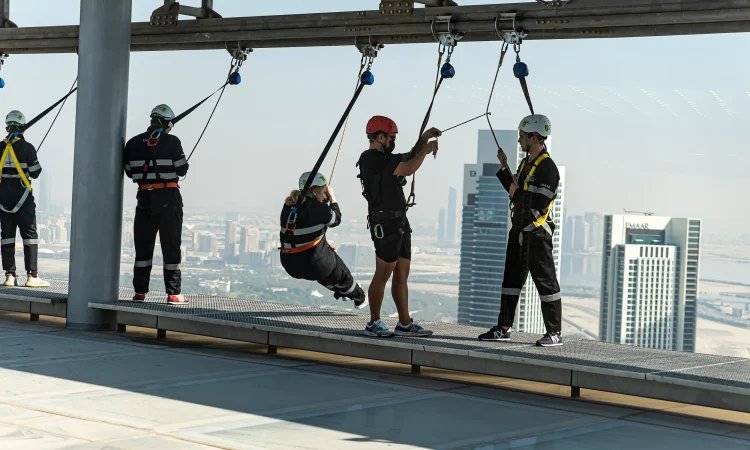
[[9, 150], [538, 222]]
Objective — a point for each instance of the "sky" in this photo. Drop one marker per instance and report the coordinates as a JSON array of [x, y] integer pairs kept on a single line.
[[644, 124]]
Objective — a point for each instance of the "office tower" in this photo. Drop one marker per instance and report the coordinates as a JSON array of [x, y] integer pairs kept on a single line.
[[441, 226], [45, 192], [485, 223], [650, 270], [595, 230], [581, 234], [450, 217], [207, 243], [230, 240], [249, 240]]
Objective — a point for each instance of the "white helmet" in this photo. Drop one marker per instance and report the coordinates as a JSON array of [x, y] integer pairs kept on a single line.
[[319, 180], [536, 123], [15, 117], [162, 112]]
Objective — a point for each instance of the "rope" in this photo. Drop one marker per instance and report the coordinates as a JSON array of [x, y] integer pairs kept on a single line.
[[492, 91], [329, 144], [207, 122], [438, 82], [343, 132], [56, 115]]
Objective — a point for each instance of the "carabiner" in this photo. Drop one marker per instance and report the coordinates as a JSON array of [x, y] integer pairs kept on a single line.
[[378, 231], [291, 221]]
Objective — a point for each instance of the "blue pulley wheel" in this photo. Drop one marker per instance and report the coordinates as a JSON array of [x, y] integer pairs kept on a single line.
[[2, 83], [235, 78], [367, 78], [447, 71], [520, 70]]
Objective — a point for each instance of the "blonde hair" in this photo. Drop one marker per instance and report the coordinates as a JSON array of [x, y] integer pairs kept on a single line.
[[294, 195]]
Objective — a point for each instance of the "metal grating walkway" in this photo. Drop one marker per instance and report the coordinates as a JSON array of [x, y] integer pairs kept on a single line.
[[699, 379]]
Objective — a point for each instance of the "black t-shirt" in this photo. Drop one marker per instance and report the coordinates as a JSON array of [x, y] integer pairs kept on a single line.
[[383, 190]]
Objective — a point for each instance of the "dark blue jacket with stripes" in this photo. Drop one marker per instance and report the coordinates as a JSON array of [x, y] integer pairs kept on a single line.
[[163, 163]]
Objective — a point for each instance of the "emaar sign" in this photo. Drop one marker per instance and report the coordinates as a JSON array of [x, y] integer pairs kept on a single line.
[[636, 226]]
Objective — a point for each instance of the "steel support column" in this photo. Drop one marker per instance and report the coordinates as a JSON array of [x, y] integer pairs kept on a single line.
[[101, 112]]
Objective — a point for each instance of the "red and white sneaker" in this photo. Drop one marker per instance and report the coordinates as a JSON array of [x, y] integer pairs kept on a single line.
[[139, 298], [177, 300]]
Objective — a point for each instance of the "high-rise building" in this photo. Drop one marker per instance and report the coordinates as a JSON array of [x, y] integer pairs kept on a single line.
[[249, 240], [450, 217], [207, 243], [357, 256], [650, 270], [581, 234], [595, 230], [232, 217], [484, 238], [230, 240], [45, 192], [441, 226]]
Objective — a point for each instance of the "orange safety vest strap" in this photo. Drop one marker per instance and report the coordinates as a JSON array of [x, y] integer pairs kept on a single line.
[[149, 187], [302, 248]]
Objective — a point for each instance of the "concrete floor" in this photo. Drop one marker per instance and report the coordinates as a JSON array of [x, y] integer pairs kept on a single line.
[[61, 389]]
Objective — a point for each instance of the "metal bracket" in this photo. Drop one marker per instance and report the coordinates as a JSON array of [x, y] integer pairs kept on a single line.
[[3, 57], [238, 51], [397, 7], [168, 15], [369, 49], [512, 35], [5, 21], [447, 38]]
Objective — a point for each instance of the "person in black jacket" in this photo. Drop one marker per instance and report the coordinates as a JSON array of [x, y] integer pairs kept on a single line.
[[305, 253], [154, 160], [17, 207], [533, 191]]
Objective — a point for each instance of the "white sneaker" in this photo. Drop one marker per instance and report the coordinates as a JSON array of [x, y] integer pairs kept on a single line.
[[35, 282], [10, 280]]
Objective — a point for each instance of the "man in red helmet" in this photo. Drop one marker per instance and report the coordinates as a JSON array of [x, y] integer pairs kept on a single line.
[[382, 174]]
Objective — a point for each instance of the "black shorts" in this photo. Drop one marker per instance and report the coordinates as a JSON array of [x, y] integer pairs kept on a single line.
[[392, 239]]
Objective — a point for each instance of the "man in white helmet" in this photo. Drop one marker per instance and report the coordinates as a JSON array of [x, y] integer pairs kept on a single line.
[[305, 253], [154, 160], [17, 207], [532, 190]]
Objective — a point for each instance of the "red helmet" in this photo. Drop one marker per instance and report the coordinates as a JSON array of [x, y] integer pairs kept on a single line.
[[381, 123]]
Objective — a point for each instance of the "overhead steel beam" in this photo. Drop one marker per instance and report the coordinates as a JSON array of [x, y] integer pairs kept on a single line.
[[578, 20]]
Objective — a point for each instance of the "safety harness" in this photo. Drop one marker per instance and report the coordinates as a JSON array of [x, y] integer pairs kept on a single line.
[[21, 174], [540, 219]]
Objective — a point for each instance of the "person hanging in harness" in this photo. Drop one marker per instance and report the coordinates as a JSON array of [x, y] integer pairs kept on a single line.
[[17, 207], [533, 191], [382, 176], [154, 160], [305, 253]]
